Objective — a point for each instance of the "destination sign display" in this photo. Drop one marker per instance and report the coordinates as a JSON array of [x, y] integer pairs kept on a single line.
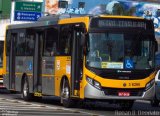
[[121, 23], [118, 23]]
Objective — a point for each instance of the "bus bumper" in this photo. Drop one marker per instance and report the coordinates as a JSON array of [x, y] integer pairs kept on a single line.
[[93, 93]]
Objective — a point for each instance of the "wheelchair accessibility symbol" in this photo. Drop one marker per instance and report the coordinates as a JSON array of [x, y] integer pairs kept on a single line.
[[30, 65], [128, 64]]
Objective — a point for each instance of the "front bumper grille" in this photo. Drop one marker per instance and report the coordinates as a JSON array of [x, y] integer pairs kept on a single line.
[[115, 91]]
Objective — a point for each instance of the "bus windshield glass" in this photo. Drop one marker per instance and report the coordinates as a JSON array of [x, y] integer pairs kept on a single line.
[[113, 50]]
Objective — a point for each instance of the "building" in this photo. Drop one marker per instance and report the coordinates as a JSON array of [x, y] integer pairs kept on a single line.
[[5, 9]]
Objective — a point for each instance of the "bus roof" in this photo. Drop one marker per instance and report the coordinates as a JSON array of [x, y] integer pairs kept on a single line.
[[64, 19]]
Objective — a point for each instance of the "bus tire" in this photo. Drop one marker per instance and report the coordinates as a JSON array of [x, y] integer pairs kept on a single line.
[[155, 102], [25, 90], [65, 94]]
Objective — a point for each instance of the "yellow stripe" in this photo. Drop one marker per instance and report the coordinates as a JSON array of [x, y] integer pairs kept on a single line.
[[30, 74], [120, 17], [45, 75], [18, 73]]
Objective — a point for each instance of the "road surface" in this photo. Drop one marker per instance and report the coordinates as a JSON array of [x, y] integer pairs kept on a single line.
[[13, 105]]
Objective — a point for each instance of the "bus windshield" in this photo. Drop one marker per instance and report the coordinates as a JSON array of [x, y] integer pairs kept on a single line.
[[113, 50]]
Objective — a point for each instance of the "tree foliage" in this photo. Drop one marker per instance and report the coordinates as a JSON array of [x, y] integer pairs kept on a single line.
[[118, 9]]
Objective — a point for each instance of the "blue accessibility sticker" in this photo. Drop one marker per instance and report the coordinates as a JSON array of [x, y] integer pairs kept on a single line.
[[129, 64], [30, 65]]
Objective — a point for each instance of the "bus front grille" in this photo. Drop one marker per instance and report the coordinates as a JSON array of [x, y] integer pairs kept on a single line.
[[115, 91]]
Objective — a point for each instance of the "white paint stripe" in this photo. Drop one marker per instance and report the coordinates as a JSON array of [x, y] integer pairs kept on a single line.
[[24, 108], [1, 81], [50, 107], [143, 101]]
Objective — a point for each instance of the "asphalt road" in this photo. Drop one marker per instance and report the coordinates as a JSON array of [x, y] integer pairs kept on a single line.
[[13, 105]]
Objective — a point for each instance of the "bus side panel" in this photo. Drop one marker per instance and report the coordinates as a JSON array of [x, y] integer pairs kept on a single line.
[[18, 72], [1, 63], [24, 65], [6, 77], [48, 77], [1, 77], [28, 69], [18, 79], [62, 68]]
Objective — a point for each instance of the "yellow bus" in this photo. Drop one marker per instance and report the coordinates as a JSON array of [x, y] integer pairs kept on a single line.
[[104, 58], [1, 63]]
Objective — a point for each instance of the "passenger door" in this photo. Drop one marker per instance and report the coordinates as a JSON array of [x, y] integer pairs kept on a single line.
[[77, 60], [157, 85], [12, 61], [48, 59], [37, 60]]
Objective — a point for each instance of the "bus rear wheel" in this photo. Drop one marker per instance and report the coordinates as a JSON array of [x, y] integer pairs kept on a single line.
[[25, 90], [65, 94]]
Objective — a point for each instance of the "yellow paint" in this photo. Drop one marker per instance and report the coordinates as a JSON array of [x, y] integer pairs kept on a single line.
[[17, 73], [38, 94], [61, 64], [113, 83], [76, 92], [4, 54], [120, 17], [1, 71], [46, 75]]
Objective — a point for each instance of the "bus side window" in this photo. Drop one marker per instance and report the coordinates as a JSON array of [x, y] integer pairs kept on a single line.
[[50, 42], [8, 39], [20, 43], [65, 40], [30, 45]]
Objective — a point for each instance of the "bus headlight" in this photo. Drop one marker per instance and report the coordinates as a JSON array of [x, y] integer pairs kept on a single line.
[[150, 84], [94, 83]]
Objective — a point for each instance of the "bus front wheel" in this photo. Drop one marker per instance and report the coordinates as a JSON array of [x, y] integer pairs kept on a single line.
[[65, 94]]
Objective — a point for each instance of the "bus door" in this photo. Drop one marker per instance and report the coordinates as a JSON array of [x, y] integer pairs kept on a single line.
[[37, 60], [76, 61], [12, 61]]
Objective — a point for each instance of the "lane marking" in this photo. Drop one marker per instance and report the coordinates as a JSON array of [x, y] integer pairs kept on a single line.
[[37, 106]]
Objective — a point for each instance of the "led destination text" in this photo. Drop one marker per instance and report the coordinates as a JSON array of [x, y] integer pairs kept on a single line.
[[120, 23]]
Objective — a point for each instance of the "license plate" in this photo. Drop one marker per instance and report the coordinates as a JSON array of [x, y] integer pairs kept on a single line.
[[124, 94]]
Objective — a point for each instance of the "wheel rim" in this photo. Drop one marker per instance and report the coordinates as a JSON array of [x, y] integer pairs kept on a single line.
[[25, 89], [65, 91]]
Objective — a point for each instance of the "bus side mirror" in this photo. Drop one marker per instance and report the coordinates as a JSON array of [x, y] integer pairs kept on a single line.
[[156, 46]]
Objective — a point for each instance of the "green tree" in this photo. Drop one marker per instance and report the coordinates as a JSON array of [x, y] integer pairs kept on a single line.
[[118, 9]]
